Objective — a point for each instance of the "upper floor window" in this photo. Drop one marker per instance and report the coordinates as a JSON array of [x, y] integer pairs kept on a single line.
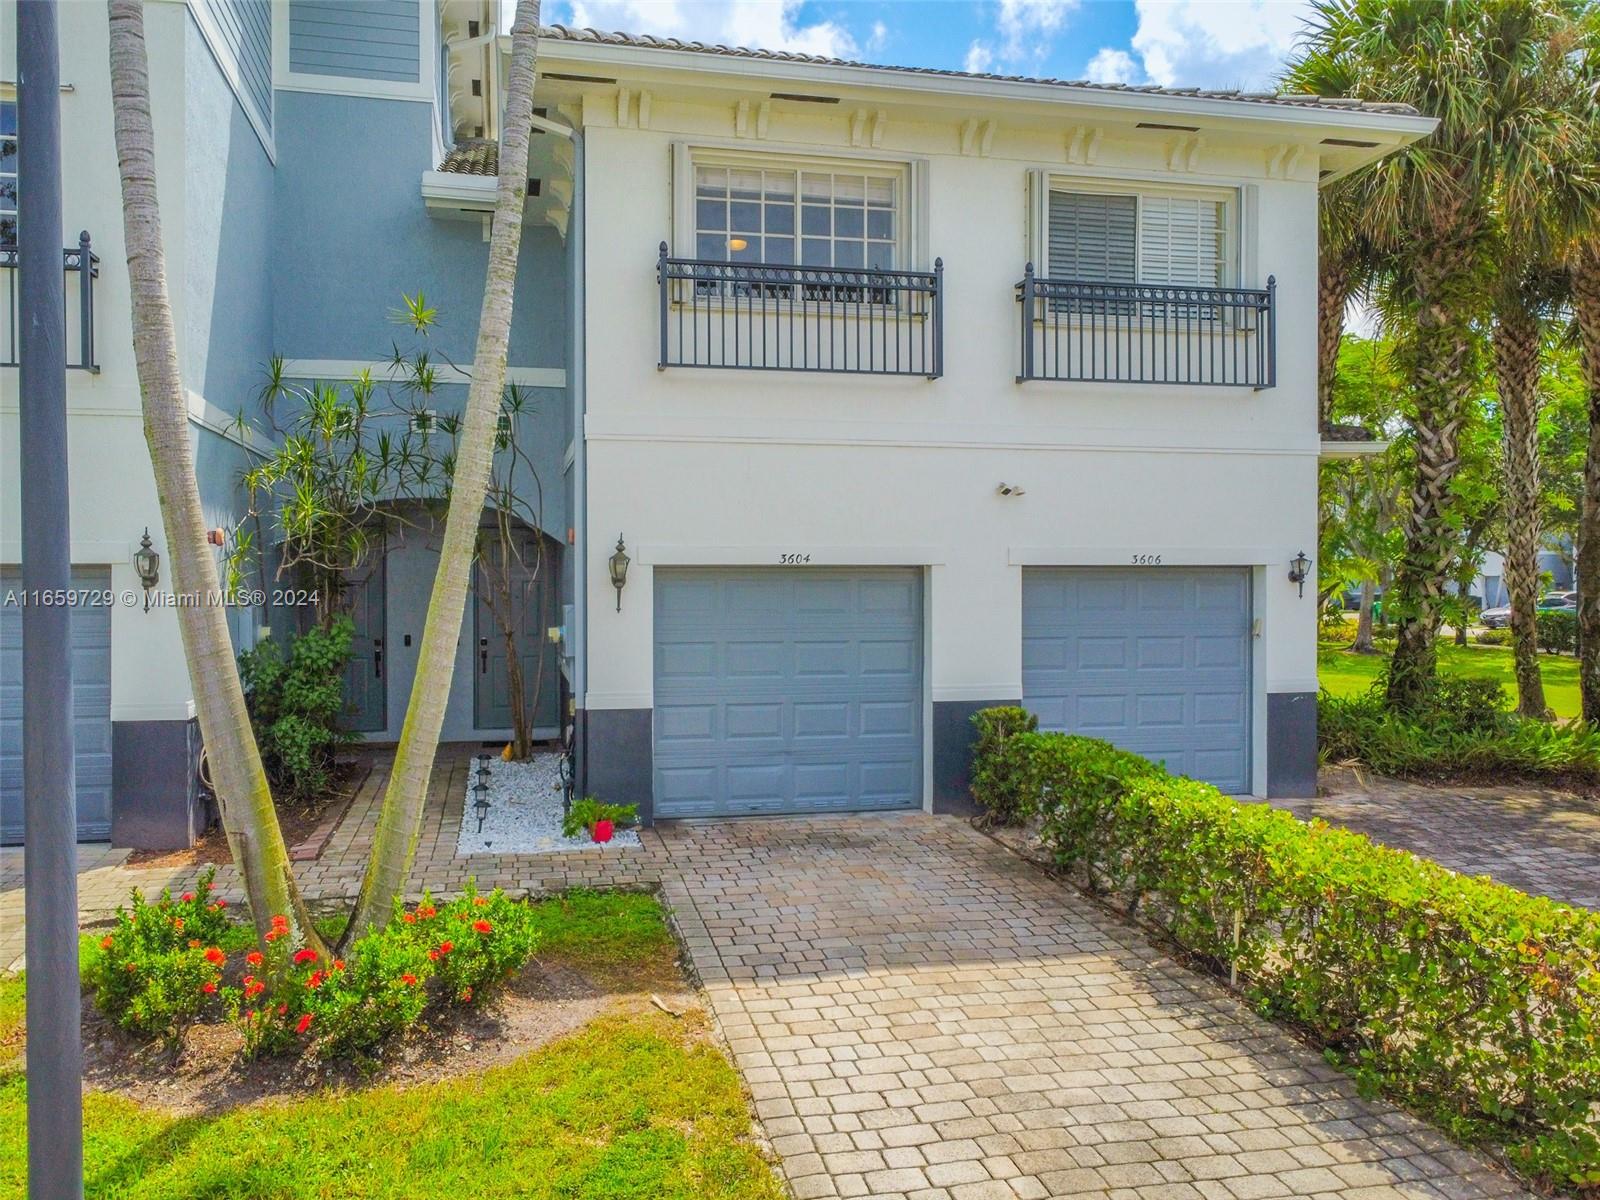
[[8, 172], [846, 219], [1152, 237]]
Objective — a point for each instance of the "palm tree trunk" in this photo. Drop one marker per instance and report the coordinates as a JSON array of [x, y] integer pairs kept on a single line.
[[1516, 365], [1436, 351], [1585, 274], [1333, 292], [248, 815], [395, 839]]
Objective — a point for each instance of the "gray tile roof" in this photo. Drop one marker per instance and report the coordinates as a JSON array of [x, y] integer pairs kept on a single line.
[[563, 33], [473, 156]]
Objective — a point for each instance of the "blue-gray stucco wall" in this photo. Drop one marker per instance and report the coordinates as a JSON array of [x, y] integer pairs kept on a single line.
[[356, 237], [227, 240]]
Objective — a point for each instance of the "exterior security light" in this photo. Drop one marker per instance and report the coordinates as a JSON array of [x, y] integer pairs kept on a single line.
[[737, 243], [619, 570], [1299, 568], [148, 564]]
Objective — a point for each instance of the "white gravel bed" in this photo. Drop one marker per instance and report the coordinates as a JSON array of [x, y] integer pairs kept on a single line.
[[524, 814]]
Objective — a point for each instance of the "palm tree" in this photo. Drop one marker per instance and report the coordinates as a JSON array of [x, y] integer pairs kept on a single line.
[[395, 840], [248, 815], [1426, 213], [1343, 268]]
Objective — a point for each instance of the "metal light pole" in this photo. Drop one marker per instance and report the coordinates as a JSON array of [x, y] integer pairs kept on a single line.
[[55, 1050]]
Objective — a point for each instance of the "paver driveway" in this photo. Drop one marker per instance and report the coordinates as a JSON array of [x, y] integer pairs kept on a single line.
[[921, 1014]]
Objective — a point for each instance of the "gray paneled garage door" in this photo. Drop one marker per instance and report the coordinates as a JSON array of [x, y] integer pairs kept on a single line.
[[91, 707], [1155, 660], [787, 690]]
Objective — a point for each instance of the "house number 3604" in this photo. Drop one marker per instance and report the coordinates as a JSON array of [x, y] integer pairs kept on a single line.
[[1147, 560], [790, 560]]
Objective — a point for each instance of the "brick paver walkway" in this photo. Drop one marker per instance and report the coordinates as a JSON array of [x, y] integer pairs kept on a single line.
[[920, 1013], [1536, 839]]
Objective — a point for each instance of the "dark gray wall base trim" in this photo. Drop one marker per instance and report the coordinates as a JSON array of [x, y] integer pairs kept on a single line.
[[953, 736], [156, 802], [616, 757], [1291, 745]]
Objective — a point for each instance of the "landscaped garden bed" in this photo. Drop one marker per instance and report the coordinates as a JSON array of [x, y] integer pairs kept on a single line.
[[587, 1069], [1466, 1000]]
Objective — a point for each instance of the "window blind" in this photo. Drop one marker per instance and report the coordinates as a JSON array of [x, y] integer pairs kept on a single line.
[[1180, 241], [1093, 237]]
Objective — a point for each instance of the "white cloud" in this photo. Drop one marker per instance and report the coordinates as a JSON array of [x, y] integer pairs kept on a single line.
[[878, 38], [979, 58], [1217, 43], [1112, 66], [758, 24]]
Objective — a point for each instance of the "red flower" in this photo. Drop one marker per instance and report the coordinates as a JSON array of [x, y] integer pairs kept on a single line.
[[466, 996], [279, 921], [409, 979], [253, 958], [274, 934], [130, 966], [105, 942], [426, 910], [219, 906], [209, 987], [315, 981], [304, 956], [215, 957], [432, 954], [254, 987], [211, 885], [338, 964], [251, 1015], [409, 918], [187, 897], [482, 926], [446, 947], [479, 901], [194, 943], [304, 1023], [177, 922]]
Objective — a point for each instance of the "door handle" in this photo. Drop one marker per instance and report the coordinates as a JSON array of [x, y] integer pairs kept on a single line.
[[483, 655], [377, 658]]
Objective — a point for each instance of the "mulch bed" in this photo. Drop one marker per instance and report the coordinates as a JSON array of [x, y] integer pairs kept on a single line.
[[306, 830], [205, 1074]]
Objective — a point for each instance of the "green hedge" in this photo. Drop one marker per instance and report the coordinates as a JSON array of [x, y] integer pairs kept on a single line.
[[1457, 996]]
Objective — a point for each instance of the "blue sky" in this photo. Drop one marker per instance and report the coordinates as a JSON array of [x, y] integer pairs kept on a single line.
[[1175, 43]]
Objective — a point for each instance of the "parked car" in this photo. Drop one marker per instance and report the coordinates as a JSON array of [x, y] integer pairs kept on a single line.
[[1500, 617]]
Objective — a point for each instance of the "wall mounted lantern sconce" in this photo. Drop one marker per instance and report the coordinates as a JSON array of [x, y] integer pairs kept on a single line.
[[148, 564], [1299, 568], [619, 570]]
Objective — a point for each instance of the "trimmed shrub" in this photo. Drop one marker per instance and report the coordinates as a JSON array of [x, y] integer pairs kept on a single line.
[[999, 785], [1557, 630], [1494, 637], [1459, 996], [160, 964]]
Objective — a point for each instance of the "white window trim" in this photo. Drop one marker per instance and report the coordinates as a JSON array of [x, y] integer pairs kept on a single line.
[[423, 90], [1044, 182], [262, 123], [911, 208]]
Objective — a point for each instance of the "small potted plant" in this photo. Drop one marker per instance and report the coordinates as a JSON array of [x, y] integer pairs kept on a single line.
[[597, 818]]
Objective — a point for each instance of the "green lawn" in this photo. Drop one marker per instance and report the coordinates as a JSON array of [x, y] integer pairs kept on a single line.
[[634, 1106], [1346, 674]]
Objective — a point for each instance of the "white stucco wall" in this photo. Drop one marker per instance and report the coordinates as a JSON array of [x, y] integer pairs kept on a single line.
[[723, 467]]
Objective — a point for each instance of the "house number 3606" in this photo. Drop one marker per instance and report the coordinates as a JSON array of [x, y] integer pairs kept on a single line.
[[1147, 560]]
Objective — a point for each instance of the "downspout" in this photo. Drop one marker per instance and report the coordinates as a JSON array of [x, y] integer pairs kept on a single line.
[[576, 381]]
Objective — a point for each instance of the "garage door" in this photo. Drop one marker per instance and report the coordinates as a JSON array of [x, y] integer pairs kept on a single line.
[[1155, 660], [787, 691], [91, 706]]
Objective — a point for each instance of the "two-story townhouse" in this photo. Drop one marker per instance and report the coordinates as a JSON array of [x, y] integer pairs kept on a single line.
[[876, 396], [318, 159], [909, 392]]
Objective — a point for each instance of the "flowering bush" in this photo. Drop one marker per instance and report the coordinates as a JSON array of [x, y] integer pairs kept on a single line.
[[161, 963], [475, 942]]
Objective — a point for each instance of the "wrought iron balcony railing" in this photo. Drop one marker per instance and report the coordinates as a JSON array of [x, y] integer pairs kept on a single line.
[[774, 317], [80, 263], [1078, 331]]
